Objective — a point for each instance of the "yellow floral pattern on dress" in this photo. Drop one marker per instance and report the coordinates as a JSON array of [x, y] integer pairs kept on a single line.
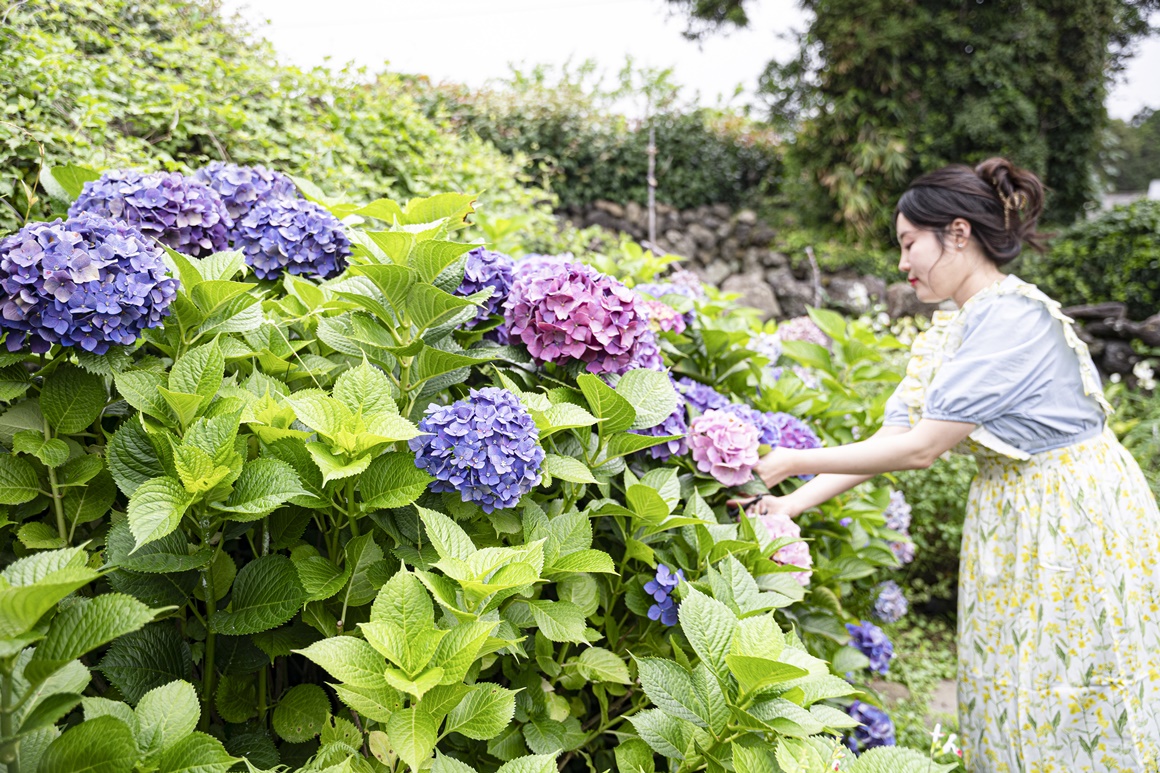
[[1059, 590]]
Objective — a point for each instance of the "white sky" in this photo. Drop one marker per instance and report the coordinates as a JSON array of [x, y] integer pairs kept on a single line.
[[471, 41]]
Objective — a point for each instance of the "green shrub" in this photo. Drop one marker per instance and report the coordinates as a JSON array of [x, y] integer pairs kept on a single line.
[[1115, 256]]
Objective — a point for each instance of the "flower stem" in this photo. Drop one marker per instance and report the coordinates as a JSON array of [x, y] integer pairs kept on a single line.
[[57, 503], [351, 510], [11, 755]]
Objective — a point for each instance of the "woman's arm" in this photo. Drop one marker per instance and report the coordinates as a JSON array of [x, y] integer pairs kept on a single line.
[[912, 449]]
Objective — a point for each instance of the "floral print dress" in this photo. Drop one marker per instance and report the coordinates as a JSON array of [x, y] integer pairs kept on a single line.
[[1059, 587]]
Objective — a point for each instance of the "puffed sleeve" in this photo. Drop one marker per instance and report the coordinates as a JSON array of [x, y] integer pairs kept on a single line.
[[1004, 363], [896, 413]]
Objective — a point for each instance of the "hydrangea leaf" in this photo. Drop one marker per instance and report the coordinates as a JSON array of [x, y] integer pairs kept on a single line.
[[321, 578], [142, 660], [647, 503], [367, 389], [84, 626], [483, 713], [35, 535], [87, 503], [392, 480], [185, 406], [413, 733], [166, 715], [131, 457], [394, 282], [140, 390], [562, 416], [266, 594], [670, 687], [196, 753], [52, 453], [450, 208], [377, 703], [458, 650], [709, 626], [651, 394], [567, 468], [896, 760], [156, 508], [403, 601], [18, 481], [368, 570], [432, 362], [583, 561], [617, 412], [667, 735], [448, 537], [103, 745], [419, 685], [539, 763], [428, 306], [66, 181], [560, 621], [301, 713], [72, 399], [80, 470], [335, 467], [349, 660], [22, 605], [430, 257], [199, 371], [264, 486], [600, 665], [212, 295], [633, 755], [236, 698], [396, 245], [445, 764]]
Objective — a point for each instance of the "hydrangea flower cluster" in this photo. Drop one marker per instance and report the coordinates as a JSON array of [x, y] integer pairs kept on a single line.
[[768, 432], [485, 446], [292, 235], [487, 268], [724, 446], [661, 588], [779, 525], [647, 354], [794, 432], [891, 603], [182, 212], [241, 187], [674, 424], [898, 516], [803, 329], [876, 729], [570, 312], [768, 345], [871, 641], [700, 396], [86, 281], [663, 317], [682, 277]]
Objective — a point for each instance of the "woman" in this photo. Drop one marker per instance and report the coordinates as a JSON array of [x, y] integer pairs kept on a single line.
[[1059, 584]]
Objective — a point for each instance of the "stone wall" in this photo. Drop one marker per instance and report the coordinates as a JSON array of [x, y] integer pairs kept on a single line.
[[733, 250]]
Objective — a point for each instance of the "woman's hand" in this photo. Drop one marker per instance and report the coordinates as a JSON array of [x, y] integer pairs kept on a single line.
[[768, 505], [774, 467]]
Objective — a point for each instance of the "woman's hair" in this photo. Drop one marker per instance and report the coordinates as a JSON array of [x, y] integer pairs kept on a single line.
[[1001, 202]]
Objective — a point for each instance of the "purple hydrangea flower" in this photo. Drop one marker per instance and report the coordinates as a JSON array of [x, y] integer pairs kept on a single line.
[[661, 588], [570, 312], [871, 641], [487, 268], [661, 316], [701, 396], [779, 525], [87, 281], [794, 432], [897, 513], [891, 604], [876, 729], [647, 354], [768, 345], [658, 290], [181, 212], [485, 446], [903, 551], [292, 235], [724, 446], [682, 277], [241, 187], [768, 432], [803, 329], [674, 424]]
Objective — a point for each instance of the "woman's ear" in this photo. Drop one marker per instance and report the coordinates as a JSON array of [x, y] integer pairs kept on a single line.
[[960, 231]]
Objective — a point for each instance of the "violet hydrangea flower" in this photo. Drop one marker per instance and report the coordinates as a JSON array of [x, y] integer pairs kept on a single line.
[[876, 729], [574, 313], [647, 354], [292, 235], [487, 268], [661, 588], [662, 317], [803, 329], [778, 526], [700, 396], [486, 447], [182, 212], [86, 281], [724, 446], [898, 515], [241, 187], [682, 277], [768, 432], [871, 641], [794, 432], [674, 424], [890, 604]]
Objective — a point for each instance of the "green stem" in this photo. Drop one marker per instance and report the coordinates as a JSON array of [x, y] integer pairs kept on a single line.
[[207, 675], [263, 678], [57, 503], [11, 756], [351, 510]]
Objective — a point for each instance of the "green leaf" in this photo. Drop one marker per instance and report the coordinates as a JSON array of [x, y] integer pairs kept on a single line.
[[14, 382], [236, 698], [131, 457], [264, 486], [102, 745], [633, 755], [715, 708], [560, 621], [567, 468], [156, 508], [196, 753], [403, 600], [321, 578], [266, 594], [52, 453], [18, 481], [562, 416], [625, 443], [670, 687], [651, 395], [104, 707], [432, 362], [84, 626], [451, 207], [335, 467], [301, 713], [413, 733], [199, 371], [185, 406], [429, 306], [22, 606], [84, 504], [66, 182], [597, 664], [140, 390], [539, 763], [445, 764], [583, 561], [545, 735], [166, 715], [647, 503], [23, 415], [168, 554], [617, 413], [365, 388], [211, 295], [142, 660], [460, 647], [667, 735], [896, 760], [709, 626], [392, 480], [394, 282], [39, 536], [348, 660], [483, 713], [449, 539]]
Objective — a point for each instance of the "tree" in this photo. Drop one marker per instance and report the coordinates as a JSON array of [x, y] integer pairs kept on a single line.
[[882, 90], [1132, 155]]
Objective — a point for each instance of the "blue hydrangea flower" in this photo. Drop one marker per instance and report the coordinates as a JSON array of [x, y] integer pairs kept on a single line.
[[240, 187], [674, 424], [903, 551], [768, 432], [487, 268], [701, 396], [646, 354], [897, 513], [292, 235], [182, 212], [871, 641], [891, 603], [876, 729], [485, 446], [660, 588], [86, 281]]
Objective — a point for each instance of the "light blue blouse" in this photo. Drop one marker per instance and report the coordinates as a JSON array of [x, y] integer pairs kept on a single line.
[[1013, 374]]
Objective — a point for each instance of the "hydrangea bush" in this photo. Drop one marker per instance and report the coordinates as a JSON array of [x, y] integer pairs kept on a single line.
[[323, 524]]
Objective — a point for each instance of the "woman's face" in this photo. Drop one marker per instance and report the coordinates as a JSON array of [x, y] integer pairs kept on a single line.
[[929, 267]]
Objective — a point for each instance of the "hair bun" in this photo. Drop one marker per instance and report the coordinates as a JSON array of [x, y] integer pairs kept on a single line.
[[1020, 193]]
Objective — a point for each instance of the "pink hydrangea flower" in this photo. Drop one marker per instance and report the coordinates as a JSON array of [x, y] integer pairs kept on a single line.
[[725, 446], [803, 329], [662, 316], [779, 525], [573, 312]]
